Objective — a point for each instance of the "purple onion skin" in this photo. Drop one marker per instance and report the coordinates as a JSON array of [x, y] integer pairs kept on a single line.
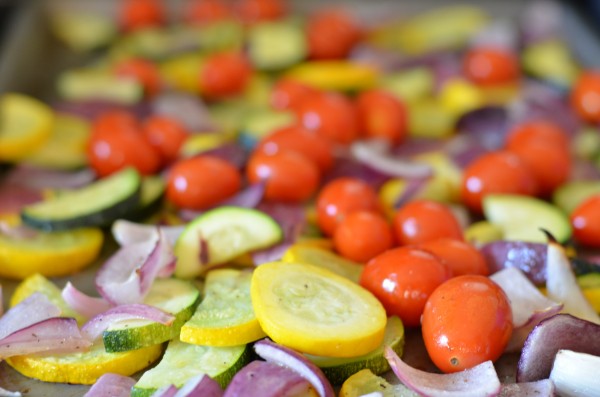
[[541, 388], [528, 257], [561, 331], [487, 126], [265, 379]]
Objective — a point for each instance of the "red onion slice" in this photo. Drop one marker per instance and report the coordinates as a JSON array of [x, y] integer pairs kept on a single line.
[[112, 385], [41, 178], [8, 393], [185, 108], [478, 381], [282, 355], [34, 309], [1, 302], [57, 334], [528, 257], [127, 232], [267, 379], [18, 232], [375, 154], [92, 109], [93, 329], [126, 276], [165, 391], [83, 304], [541, 388], [561, 284], [561, 331], [200, 386], [14, 197]]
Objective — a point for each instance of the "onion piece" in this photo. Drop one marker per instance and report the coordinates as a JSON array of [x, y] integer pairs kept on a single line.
[[558, 332], [348, 167], [56, 334], [112, 385], [8, 393], [126, 232], [83, 304], [375, 154], [1, 301], [267, 379], [14, 197], [287, 357], [478, 381], [486, 126], [127, 275], [33, 309], [528, 257], [18, 232], [200, 385], [561, 284], [93, 109], [93, 329], [230, 152], [525, 299], [540, 388], [576, 374], [185, 108], [165, 391], [42, 178]]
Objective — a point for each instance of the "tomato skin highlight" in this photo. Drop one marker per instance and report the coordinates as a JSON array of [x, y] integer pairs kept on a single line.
[[421, 221], [461, 257], [495, 172], [585, 96], [467, 320], [341, 197], [362, 235], [585, 221], [488, 66], [201, 182], [381, 115], [224, 74], [403, 279], [290, 177]]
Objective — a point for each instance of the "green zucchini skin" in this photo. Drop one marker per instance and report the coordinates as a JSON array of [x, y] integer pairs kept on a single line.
[[40, 217]]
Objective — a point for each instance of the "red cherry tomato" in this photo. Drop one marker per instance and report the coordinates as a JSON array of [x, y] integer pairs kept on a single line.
[[115, 121], [421, 221], [537, 131], [289, 176], [585, 96], [491, 66], [252, 11], [382, 115], [137, 14], [341, 197], [224, 74], [461, 257], [330, 114], [202, 182], [496, 172], [113, 150], [206, 11], [466, 321], [585, 221], [300, 140], [331, 34], [143, 71], [166, 135], [362, 235], [402, 279], [287, 94]]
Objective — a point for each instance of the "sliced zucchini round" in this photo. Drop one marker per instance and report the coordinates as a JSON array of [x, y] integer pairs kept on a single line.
[[97, 204]]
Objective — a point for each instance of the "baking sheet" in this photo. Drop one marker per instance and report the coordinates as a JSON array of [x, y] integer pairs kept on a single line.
[[31, 59]]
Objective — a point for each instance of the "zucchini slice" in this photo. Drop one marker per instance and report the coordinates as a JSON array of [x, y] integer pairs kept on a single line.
[[182, 361], [177, 297], [97, 204], [151, 194]]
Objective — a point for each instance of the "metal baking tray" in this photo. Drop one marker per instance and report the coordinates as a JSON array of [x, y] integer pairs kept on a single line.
[[30, 60]]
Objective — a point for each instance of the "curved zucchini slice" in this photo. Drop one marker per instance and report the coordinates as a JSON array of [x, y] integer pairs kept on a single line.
[[97, 204], [183, 361], [151, 194], [177, 297]]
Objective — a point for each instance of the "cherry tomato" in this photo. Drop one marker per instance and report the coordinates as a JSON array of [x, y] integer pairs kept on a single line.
[[585, 221], [331, 115], [300, 140], [287, 94], [402, 279], [382, 115], [362, 235], [202, 182], [536, 131], [341, 197], [111, 151], [331, 34], [206, 11], [466, 321], [461, 257], [252, 11], [496, 172], [224, 74], [166, 135], [585, 96], [137, 14], [491, 66], [115, 121], [421, 221], [290, 176], [143, 71]]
